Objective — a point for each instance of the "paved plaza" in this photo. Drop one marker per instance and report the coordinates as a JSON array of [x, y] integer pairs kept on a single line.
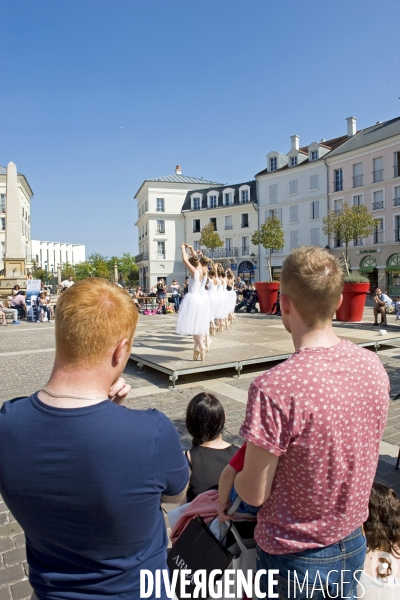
[[26, 358]]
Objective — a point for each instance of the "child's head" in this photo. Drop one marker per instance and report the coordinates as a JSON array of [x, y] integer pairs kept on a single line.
[[382, 528], [205, 418]]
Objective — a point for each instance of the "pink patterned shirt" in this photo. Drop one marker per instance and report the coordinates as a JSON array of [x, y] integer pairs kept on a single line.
[[323, 413]]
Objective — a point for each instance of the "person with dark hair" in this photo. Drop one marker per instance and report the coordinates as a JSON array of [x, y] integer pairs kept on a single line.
[[381, 574], [209, 454], [162, 295]]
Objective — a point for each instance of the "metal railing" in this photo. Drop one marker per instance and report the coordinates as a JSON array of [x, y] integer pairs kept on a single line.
[[377, 175], [160, 256], [378, 205], [196, 230], [396, 201], [160, 231], [397, 235], [379, 236], [228, 226], [245, 250], [396, 171], [358, 242], [141, 257], [244, 225], [222, 253], [357, 180], [338, 186]]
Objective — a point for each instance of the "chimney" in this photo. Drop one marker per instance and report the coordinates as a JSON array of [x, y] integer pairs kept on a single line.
[[178, 170], [295, 142], [351, 126]]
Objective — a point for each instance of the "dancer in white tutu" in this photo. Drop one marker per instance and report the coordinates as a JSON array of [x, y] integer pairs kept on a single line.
[[193, 315], [230, 279], [213, 296]]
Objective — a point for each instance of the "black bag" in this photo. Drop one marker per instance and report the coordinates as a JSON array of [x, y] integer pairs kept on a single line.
[[197, 548]]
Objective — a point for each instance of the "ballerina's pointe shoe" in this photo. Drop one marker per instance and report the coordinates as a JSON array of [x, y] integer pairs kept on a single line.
[[202, 354], [196, 354]]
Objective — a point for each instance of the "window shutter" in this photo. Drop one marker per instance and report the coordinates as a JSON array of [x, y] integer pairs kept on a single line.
[[316, 209], [279, 214]]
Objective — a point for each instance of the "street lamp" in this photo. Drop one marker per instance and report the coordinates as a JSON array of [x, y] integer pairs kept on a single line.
[[253, 257]]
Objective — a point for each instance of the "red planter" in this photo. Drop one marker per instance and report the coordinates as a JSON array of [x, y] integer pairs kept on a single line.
[[267, 294], [352, 307]]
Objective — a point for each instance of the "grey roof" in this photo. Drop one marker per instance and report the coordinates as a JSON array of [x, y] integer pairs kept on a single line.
[[187, 205], [182, 179], [370, 135], [3, 171]]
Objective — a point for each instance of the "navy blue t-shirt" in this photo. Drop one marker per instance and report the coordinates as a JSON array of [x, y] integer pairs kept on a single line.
[[85, 485]]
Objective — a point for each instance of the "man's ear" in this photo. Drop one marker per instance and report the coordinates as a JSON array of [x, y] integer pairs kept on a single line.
[[285, 303], [119, 351]]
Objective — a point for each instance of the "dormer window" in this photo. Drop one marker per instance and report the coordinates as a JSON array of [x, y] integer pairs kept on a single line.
[[293, 161], [227, 199], [196, 203], [273, 163], [314, 155], [245, 196], [213, 201]]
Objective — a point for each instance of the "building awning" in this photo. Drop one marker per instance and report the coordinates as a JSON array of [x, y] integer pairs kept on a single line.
[[393, 268], [366, 269]]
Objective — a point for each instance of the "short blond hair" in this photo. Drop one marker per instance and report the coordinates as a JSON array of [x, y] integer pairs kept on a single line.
[[312, 278], [92, 316]]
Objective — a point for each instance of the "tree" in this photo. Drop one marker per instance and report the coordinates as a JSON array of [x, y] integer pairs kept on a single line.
[[349, 223], [210, 238], [127, 267], [67, 270], [270, 236]]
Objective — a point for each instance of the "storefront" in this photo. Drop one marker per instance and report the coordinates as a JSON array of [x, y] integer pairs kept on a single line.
[[246, 272], [276, 273], [393, 275], [369, 268]]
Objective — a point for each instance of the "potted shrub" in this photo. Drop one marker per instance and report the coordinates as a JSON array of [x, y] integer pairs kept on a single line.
[[271, 237], [355, 290]]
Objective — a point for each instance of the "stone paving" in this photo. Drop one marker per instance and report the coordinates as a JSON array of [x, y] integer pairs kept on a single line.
[[26, 358]]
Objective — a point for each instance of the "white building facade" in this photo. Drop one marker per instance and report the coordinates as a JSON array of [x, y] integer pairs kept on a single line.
[[161, 226], [49, 255], [294, 188], [233, 212], [25, 195]]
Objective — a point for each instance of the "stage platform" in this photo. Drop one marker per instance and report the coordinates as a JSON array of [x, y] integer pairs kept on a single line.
[[252, 339]]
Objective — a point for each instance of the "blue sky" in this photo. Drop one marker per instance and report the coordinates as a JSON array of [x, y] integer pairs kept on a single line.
[[97, 96]]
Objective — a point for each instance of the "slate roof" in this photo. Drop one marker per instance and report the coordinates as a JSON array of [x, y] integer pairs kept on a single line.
[[179, 179], [370, 135], [332, 144], [187, 205]]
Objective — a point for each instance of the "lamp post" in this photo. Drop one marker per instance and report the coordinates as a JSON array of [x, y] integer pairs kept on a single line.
[[45, 272], [115, 272], [52, 279]]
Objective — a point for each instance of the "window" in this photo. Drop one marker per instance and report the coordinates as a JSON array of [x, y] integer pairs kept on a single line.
[[338, 182], [357, 200], [2, 249], [196, 225], [396, 199], [196, 203], [160, 227], [357, 175], [214, 222], [245, 245], [397, 230], [22, 225], [145, 206], [294, 239], [160, 250], [338, 206], [227, 199], [23, 212], [293, 186], [196, 245], [2, 223], [314, 183], [396, 164], [228, 222], [273, 163], [228, 243], [213, 202], [315, 209], [244, 196], [377, 200], [315, 236], [160, 205], [379, 232], [294, 214], [2, 203], [314, 155], [378, 169], [293, 161], [244, 220], [274, 212], [273, 193]]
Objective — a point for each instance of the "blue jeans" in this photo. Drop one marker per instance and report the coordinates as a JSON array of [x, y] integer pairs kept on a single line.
[[176, 300], [334, 564], [243, 506]]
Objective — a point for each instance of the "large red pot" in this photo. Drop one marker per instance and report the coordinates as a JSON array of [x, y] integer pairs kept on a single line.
[[267, 294], [352, 307]]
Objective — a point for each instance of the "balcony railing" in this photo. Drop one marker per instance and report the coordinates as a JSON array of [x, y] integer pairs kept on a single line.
[[379, 236], [358, 242], [160, 255], [222, 253], [245, 250], [357, 180], [196, 230], [396, 201], [397, 235], [338, 186], [244, 225], [159, 231], [228, 226], [142, 257], [377, 175], [378, 205], [396, 171]]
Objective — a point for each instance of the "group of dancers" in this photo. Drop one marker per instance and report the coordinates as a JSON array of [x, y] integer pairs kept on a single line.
[[209, 305]]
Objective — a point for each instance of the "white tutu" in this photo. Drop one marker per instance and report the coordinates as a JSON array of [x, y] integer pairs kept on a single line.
[[232, 301], [192, 310], [206, 300], [214, 300], [220, 311]]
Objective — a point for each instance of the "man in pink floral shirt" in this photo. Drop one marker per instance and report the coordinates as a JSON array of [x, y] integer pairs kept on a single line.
[[313, 426]]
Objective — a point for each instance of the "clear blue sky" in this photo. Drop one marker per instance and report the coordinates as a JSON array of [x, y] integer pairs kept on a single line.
[[97, 96]]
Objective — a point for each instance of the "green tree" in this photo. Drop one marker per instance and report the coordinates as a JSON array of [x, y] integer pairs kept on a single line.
[[270, 236], [83, 270], [37, 272], [67, 270], [349, 223], [210, 238], [127, 267]]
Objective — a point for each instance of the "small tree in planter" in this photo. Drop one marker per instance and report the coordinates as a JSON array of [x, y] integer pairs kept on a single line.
[[349, 223], [210, 238], [271, 237]]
